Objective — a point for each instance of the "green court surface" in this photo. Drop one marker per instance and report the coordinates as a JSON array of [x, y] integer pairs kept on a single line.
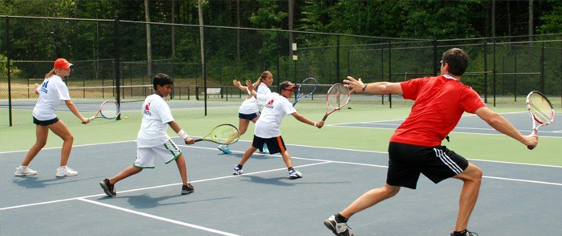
[[484, 146]]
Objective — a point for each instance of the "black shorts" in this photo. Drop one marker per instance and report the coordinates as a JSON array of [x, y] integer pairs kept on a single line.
[[248, 116], [275, 144], [45, 122], [406, 162]]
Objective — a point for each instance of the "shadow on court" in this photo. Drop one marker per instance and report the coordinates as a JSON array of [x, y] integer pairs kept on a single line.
[[282, 181], [35, 182], [145, 201]]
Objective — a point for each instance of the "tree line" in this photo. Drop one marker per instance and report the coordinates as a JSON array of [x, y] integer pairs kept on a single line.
[[388, 18]]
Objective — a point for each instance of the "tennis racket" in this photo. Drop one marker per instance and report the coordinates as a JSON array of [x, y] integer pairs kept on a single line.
[[337, 97], [541, 111], [306, 89], [225, 134], [108, 110]]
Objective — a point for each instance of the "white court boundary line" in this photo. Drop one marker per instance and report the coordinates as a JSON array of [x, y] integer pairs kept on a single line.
[[158, 217]]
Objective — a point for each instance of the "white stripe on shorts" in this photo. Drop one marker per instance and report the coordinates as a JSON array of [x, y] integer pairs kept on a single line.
[[447, 160]]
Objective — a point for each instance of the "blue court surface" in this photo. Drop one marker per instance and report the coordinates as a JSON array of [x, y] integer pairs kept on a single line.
[[515, 199]]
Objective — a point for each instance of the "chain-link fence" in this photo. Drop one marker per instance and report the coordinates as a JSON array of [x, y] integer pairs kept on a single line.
[[115, 60]]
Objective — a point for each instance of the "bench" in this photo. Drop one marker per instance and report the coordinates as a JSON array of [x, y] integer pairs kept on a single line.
[[210, 92]]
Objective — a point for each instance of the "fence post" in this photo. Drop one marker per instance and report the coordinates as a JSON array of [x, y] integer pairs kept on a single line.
[[382, 72], [338, 75], [390, 70], [542, 68], [9, 71], [117, 63], [515, 70], [435, 58], [485, 72], [494, 71], [348, 62]]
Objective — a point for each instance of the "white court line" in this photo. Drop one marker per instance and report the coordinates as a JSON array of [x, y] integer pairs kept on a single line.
[[158, 218], [522, 180]]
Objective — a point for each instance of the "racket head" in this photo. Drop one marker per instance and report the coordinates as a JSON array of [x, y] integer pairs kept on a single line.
[[307, 87], [109, 110], [540, 108], [337, 97], [222, 134]]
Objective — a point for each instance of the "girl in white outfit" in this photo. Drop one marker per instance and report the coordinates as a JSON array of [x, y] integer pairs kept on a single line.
[[250, 109], [51, 92]]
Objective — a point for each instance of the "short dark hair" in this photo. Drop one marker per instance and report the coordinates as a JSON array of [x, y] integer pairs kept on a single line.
[[161, 79], [457, 59]]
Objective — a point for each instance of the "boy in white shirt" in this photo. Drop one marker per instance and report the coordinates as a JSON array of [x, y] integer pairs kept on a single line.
[[152, 139], [276, 106]]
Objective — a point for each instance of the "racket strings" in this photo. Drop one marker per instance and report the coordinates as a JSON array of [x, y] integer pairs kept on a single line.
[[306, 89], [541, 108], [225, 134], [109, 110], [338, 96]]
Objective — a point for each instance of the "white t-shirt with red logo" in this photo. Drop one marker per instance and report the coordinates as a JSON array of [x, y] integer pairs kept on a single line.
[[51, 92], [250, 105], [156, 115], [275, 107]]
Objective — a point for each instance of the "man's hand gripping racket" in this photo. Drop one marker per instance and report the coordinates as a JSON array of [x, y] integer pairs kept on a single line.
[[541, 111], [337, 97]]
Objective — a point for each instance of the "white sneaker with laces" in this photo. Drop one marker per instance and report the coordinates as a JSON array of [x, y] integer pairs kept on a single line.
[[237, 171], [340, 229], [65, 171], [24, 171], [294, 174]]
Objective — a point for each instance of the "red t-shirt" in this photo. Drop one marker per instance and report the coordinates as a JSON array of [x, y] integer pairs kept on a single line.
[[439, 104]]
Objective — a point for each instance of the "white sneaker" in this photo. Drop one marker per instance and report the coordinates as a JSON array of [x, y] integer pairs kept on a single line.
[[294, 174], [24, 171], [237, 171], [340, 229], [225, 149], [265, 150], [65, 171]]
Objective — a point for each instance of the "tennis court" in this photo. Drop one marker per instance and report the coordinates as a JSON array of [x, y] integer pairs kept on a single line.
[[339, 163]]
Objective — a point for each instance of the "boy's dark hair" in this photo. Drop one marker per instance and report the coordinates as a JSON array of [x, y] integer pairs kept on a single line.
[[161, 79], [457, 59]]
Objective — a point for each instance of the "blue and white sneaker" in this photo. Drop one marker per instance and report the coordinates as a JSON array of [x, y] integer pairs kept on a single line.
[[225, 149], [294, 174], [237, 171], [265, 149]]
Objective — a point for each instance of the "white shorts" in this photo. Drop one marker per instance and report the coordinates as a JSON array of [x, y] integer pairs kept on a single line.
[[168, 152]]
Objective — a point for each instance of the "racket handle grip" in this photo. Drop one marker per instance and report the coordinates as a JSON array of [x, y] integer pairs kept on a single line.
[[534, 132], [325, 116], [197, 139]]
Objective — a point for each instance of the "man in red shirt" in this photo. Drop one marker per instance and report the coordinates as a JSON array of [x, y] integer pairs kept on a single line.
[[415, 147]]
